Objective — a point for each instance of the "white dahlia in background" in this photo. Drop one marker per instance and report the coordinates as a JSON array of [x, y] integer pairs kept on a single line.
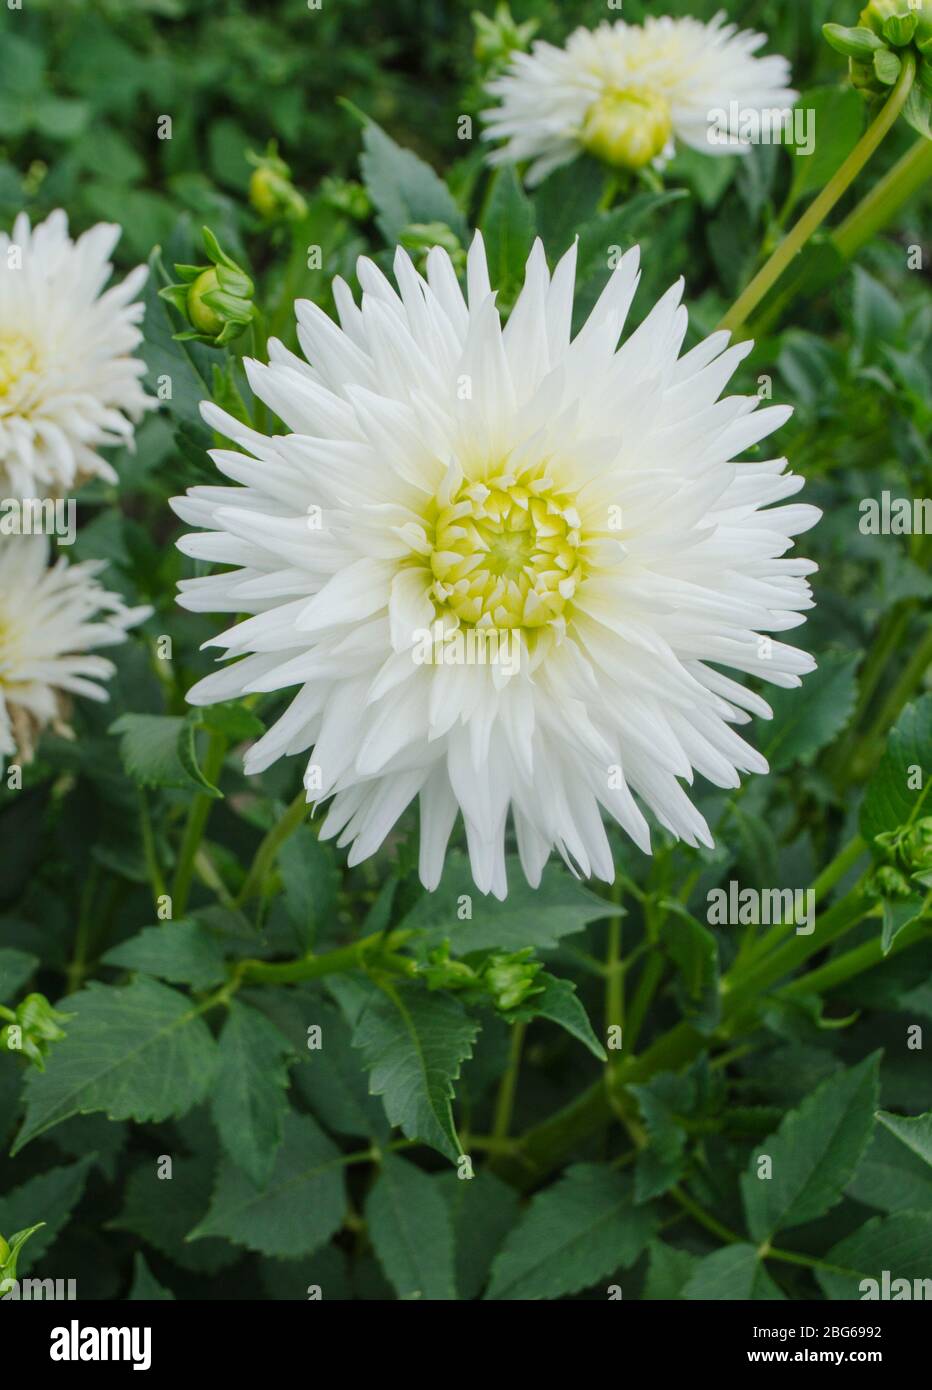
[[626, 93], [51, 619], [69, 383], [444, 477]]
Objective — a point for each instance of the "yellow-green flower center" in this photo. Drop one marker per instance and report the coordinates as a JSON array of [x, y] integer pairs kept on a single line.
[[506, 553], [627, 127], [17, 357]]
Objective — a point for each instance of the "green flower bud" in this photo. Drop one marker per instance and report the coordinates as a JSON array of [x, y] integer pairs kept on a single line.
[[215, 299], [347, 196], [419, 237], [875, 14], [497, 38], [860, 44], [886, 66], [442, 972], [900, 28], [271, 191], [627, 128], [889, 882], [510, 979]]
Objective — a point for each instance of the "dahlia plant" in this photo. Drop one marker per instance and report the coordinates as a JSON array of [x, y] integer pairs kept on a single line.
[[493, 857]]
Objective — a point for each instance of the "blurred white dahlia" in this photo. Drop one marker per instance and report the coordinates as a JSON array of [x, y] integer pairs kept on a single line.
[[626, 93], [51, 619], [447, 482], [68, 381]]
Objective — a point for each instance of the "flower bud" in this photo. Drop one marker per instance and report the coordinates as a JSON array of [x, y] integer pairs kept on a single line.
[[627, 129], [497, 38], [346, 196], [859, 44], [510, 979], [420, 237], [215, 299], [271, 191]]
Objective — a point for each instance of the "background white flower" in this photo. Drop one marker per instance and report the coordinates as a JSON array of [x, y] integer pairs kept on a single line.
[[626, 92], [68, 380], [52, 618], [580, 497]]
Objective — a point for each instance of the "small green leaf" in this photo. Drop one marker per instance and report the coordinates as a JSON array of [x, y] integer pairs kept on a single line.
[[899, 791], [249, 1100], [508, 226], [885, 1251], [915, 1131], [804, 721], [140, 1052], [413, 1044], [299, 1208], [182, 952], [39, 1209], [573, 1234], [158, 750], [411, 1231], [403, 188], [559, 1003], [814, 1153], [734, 1273]]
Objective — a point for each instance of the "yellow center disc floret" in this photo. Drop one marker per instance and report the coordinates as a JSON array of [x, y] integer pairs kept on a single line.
[[17, 357], [627, 127], [506, 553]]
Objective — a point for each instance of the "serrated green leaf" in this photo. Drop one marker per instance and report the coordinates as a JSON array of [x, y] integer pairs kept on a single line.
[[734, 1273], [145, 1286], [915, 1131], [332, 1081], [49, 1198], [890, 1177], [573, 1234], [411, 1231], [158, 750], [249, 1100], [299, 1208], [182, 952], [559, 1003], [890, 801], [804, 721], [814, 1153], [139, 1052], [483, 1209], [413, 1044], [508, 226], [403, 188], [538, 917], [668, 1271], [16, 967], [311, 882], [161, 1208], [896, 1247]]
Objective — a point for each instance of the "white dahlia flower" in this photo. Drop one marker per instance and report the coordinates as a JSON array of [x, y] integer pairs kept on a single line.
[[51, 619], [68, 380], [502, 565], [627, 92]]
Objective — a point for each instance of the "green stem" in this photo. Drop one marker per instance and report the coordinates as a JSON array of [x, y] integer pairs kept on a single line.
[[505, 1101], [827, 880], [910, 677], [614, 977], [816, 213], [864, 957], [371, 951], [885, 199], [195, 825], [148, 846], [284, 827], [703, 1217]]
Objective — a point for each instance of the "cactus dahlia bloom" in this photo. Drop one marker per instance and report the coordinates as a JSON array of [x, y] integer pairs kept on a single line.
[[51, 621], [626, 93], [501, 565], [68, 380]]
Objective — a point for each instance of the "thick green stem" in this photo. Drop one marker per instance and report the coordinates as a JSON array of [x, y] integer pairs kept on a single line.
[[195, 826], [505, 1101], [375, 950], [285, 826], [885, 199], [812, 219]]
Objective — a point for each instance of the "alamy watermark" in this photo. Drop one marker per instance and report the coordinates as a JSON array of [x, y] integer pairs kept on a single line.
[[471, 646], [39, 516], [769, 125], [754, 907]]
